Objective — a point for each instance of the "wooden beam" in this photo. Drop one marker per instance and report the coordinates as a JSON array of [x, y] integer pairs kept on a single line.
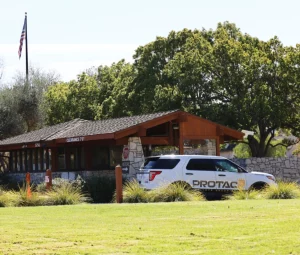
[[170, 134], [122, 141], [221, 139], [163, 140], [85, 138], [181, 148], [220, 131], [218, 147], [197, 137], [142, 131], [183, 117], [160, 120], [126, 132], [54, 160]]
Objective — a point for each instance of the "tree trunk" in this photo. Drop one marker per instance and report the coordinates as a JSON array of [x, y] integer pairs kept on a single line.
[[258, 148]]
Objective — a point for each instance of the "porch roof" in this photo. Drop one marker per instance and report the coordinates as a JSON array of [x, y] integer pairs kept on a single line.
[[107, 129]]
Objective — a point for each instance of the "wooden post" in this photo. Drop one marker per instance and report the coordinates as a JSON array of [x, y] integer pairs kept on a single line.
[[119, 191], [181, 146], [48, 179], [218, 146], [28, 190]]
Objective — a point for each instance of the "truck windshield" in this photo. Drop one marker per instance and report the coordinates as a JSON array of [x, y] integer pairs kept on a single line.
[[158, 163]]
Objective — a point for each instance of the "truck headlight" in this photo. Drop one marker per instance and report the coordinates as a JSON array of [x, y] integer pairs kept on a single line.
[[272, 178]]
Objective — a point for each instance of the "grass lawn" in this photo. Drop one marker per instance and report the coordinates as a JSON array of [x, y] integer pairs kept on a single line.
[[217, 227]]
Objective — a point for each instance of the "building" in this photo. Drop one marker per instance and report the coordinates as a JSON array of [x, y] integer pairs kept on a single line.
[[95, 147]]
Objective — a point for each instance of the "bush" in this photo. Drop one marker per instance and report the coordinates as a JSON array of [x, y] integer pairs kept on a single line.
[[101, 188], [175, 192], [66, 194], [59, 182], [244, 195], [284, 190], [133, 193], [20, 198]]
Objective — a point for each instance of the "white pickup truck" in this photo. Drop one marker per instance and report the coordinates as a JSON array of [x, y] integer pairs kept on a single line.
[[207, 173]]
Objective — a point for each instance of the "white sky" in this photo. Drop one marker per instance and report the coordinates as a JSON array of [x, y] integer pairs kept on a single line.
[[69, 36]]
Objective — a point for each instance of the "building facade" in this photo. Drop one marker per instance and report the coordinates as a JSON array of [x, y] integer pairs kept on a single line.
[[82, 146]]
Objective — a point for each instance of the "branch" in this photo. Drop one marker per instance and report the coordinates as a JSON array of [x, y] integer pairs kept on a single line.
[[280, 144]]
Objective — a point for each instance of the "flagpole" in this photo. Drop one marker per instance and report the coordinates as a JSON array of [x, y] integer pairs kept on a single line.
[[26, 39]]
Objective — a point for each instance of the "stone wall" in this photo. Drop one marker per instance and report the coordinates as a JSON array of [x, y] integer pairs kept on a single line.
[[132, 157], [282, 168]]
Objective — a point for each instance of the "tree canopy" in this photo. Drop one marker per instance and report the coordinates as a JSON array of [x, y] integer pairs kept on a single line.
[[223, 75]]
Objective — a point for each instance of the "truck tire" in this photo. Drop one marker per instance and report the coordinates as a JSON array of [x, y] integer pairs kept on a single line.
[[258, 186]]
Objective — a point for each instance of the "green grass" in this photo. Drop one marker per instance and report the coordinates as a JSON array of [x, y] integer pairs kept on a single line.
[[218, 227]]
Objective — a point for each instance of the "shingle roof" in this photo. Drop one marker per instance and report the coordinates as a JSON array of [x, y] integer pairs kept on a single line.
[[79, 127]]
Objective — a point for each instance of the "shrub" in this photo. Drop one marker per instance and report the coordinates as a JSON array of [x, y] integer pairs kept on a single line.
[[66, 194], [244, 195], [133, 193], [59, 182], [101, 188], [175, 192], [20, 198], [284, 190]]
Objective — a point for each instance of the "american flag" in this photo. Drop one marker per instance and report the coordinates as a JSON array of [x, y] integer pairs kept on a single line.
[[22, 38]]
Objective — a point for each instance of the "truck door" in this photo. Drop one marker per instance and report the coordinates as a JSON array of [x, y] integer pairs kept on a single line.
[[229, 176], [200, 173]]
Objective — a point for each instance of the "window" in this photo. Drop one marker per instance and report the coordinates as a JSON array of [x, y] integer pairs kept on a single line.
[[201, 165], [82, 158], [100, 159], [34, 159], [61, 158], [225, 165], [158, 163], [115, 156], [74, 160], [50, 159]]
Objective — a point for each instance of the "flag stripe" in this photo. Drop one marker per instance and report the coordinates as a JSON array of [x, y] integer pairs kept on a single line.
[[22, 38]]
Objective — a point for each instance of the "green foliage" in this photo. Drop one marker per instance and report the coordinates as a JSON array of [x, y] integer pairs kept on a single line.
[[175, 192], [21, 198], [244, 195], [8, 198], [243, 150], [66, 194], [101, 188], [59, 182], [297, 150], [75, 99], [284, 190], [223, 74], [62, 194], [133, 193]]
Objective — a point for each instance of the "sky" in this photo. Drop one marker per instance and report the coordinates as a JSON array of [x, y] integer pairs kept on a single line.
[[70, 36]]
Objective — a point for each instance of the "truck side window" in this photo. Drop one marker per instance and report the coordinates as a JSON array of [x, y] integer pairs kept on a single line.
[[225, 165], [201, 165]]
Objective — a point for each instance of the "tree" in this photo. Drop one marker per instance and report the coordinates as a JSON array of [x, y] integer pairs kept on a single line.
[[242, 82], [29, 96], [21, 103], [74, 99], [1, 69], [116, 91]]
